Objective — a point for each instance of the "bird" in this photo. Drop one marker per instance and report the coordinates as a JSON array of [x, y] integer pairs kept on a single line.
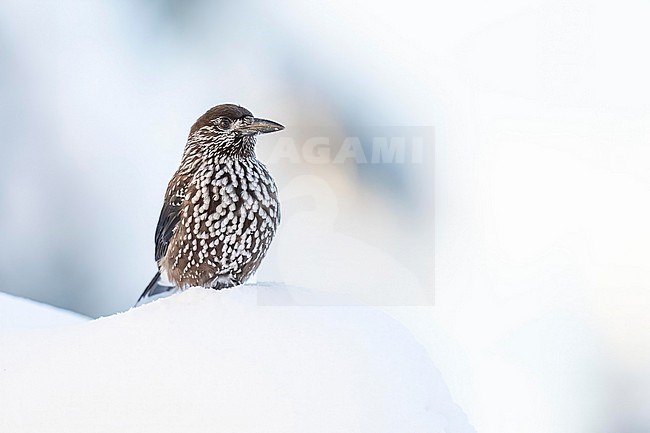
[[221, 208]]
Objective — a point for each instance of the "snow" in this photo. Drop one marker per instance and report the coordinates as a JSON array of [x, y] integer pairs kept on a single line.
[[250, 359], [21, 313]]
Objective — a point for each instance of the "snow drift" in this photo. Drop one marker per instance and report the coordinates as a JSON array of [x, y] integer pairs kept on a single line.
[[220, 361], [21, 313]]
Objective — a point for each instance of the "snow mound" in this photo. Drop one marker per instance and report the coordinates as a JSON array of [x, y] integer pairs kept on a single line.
[[219, 361], [21, 313]]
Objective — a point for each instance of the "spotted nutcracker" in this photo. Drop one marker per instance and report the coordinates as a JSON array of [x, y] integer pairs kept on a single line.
[[221, 207]]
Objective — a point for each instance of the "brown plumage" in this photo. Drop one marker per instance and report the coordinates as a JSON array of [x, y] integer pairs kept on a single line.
[[221, 208]]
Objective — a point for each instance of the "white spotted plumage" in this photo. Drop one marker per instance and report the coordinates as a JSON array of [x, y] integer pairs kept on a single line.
[[221, 208], [228, 216]]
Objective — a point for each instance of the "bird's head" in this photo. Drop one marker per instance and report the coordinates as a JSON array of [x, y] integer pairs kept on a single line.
[[229, 130]]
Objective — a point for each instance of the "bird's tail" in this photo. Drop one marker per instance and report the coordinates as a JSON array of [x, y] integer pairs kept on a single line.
[[155, 288]]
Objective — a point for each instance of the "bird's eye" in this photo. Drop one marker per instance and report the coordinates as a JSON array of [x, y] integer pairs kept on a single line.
[[223, 123]]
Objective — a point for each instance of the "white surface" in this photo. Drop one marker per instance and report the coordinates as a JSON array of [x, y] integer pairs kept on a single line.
[[225, 361], [20, 313]]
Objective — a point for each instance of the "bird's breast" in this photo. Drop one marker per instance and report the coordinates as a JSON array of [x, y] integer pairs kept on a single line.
[[227, 220]]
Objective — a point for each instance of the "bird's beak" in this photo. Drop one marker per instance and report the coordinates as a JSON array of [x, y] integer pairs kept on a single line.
[[259, 126]]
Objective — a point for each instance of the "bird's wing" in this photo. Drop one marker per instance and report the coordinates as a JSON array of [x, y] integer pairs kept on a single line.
[[169, 217]]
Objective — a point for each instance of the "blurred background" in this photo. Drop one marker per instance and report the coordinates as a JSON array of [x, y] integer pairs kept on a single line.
[[512, 239]]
